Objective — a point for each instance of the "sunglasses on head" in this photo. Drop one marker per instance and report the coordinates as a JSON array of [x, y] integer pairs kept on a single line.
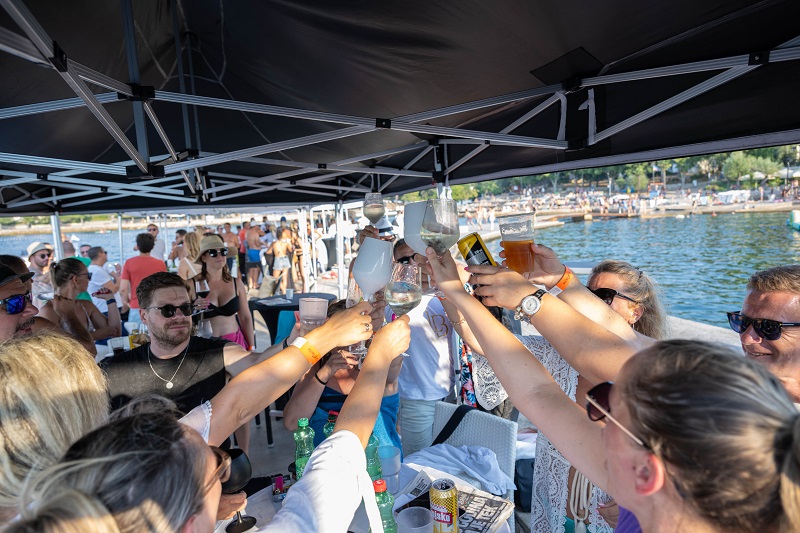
[[214, 253], [168, 310], [764, 327], [16, 304], [598, 407], [608, 295]]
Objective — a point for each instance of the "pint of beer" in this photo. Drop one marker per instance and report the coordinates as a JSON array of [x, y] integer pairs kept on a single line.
[[517, 235]]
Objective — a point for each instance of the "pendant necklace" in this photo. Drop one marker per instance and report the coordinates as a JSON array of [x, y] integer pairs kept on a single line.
[[168, 381]]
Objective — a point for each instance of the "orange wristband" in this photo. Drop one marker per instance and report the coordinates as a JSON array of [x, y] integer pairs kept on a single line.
[[308, 350], [563, 283]]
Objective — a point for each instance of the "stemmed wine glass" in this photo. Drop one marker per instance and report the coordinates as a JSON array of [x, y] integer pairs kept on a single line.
[[372, 270], [241, 471], [404, 290], [440, 228], [373, 207], [202, 291], [354, 297]]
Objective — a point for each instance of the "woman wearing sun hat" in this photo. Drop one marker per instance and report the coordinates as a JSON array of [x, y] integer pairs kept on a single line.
[[227, 302]]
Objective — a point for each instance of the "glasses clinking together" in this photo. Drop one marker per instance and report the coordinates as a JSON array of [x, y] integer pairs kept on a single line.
[[16, 304], [214, 253], [764, 327], [608, 295], [168, 310]]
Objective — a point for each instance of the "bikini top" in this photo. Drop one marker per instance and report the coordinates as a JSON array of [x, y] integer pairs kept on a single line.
[[230, 308]]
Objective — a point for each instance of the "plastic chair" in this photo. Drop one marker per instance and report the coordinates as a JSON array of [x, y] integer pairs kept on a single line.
[[483, 429], [286, 321]]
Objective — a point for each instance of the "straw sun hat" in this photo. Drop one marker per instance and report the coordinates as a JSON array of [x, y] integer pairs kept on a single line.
[[213, 242]]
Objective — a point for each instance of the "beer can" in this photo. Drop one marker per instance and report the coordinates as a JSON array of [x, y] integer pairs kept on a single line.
[[474, 250], [444, 506]]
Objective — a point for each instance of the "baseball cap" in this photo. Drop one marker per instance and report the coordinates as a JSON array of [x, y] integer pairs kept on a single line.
[[38, 247], [283, 219], [7, 275]]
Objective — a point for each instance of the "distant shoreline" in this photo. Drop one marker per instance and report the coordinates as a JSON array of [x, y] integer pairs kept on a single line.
[[664, 211]]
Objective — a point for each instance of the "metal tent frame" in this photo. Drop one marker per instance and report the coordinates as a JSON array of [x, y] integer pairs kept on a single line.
[[194, 178]]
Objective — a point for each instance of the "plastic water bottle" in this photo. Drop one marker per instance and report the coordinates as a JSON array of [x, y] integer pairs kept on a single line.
[[373, 461], [385, 503], [327, 429], [304, 440]]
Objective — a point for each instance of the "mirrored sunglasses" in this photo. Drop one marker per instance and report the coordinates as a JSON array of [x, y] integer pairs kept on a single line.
[[598, 407], [16, 304], [168, 310], [608, 295], [764, 327], [214, 252]]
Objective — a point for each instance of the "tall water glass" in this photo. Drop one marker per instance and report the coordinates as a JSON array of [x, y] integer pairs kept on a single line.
[[313, 312], [373, 207], [517, 235], [440, 228]]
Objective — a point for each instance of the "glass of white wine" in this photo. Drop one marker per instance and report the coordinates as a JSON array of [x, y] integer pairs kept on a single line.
[[404, 290], [440, 228], [373, 207]]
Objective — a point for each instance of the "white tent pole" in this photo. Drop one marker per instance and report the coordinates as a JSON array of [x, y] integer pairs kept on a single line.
[[303, 231], [119, 233], [313, 257], [55, 226], [340, 274]]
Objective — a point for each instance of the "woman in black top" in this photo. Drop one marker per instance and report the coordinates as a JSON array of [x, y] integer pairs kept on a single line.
[[227, 302]]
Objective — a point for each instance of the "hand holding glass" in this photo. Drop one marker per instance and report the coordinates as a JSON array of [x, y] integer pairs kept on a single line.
[[517, 235], [440, 228]]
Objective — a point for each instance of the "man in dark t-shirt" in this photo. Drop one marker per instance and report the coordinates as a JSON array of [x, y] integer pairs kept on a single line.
[[189, 370]]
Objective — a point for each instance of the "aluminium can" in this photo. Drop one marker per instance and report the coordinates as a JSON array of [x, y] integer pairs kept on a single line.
[[474, 250], [444, 506]]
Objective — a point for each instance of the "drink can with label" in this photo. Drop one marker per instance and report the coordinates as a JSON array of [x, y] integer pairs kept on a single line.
[[474, 250], [444, 506]]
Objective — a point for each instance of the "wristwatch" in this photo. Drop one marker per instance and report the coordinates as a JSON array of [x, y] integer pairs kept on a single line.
[[529, 305]]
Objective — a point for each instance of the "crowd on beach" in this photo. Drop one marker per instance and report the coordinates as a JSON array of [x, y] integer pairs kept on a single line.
[[635, 432]]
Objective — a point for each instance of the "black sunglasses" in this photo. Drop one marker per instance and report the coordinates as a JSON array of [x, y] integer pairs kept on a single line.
[[764, 327], [16, 304], [168, 310], [213, 253], [407, 259], [608, 295], [598, 407]]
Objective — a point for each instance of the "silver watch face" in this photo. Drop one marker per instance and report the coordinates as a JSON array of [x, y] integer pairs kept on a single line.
[[530, 305]]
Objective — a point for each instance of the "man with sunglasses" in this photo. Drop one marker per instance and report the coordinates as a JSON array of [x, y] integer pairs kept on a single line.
[[769, 323], [17, 313], [135, 270], [159, 246], [40, 255]]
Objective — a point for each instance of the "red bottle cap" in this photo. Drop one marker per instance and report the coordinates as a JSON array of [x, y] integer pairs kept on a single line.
[[379, 485]]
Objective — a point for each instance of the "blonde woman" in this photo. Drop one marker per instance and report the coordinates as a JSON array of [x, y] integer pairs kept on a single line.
[[187, 268]]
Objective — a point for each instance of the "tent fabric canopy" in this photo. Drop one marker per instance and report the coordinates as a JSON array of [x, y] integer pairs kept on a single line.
[[300, 103]]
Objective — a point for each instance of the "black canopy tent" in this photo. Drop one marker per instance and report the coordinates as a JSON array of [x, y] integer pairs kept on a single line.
[[226, 104]]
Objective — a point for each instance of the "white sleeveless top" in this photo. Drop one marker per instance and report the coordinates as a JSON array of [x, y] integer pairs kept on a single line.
[[551, 469]]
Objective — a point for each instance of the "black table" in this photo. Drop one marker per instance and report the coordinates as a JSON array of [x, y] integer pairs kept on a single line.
[[270, 312]]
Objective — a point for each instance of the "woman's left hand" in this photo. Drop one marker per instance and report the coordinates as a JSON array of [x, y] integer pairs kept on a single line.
[[499, 286], [201, 303], [443, 271]]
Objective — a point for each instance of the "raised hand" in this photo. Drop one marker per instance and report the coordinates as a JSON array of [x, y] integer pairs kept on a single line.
[[391, 341], [378, 310], [500, 286], [444, 271], [339, 360], [349, 326], [369, 231]]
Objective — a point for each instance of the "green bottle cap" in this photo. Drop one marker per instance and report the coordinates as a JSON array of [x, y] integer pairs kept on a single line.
[[302, 423]]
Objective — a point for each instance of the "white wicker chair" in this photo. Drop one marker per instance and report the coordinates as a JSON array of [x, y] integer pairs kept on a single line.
[[482, 429]]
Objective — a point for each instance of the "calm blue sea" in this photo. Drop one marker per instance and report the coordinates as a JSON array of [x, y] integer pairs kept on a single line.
[[701, 262]]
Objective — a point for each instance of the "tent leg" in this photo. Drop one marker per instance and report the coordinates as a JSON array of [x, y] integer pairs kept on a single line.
[[340, 274], [119, 233], [55, 226]]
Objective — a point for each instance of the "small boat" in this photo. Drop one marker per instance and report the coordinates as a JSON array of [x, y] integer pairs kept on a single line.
[[794, 219]]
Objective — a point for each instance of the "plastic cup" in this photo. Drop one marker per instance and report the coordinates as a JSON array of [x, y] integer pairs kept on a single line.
[[517, 235], [390, 467], [313, 311], [415, 520], [289, 294], [119, 344]]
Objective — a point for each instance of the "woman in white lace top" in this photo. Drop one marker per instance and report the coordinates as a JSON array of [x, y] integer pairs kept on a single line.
[[632, 295]]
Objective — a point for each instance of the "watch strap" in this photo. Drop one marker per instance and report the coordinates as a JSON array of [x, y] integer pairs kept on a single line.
[[519, 314]]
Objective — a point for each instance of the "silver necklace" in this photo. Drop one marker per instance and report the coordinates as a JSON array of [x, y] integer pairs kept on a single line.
[[169, 382]]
